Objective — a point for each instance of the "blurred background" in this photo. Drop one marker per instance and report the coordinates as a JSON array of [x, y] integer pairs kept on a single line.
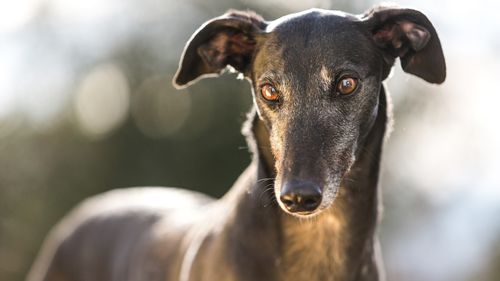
[[86, 105]]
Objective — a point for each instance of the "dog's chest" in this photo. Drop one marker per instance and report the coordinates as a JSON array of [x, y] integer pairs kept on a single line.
[[313, 249]]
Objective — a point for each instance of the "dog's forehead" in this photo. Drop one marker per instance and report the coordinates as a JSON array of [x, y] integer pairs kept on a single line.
[[316, 42], [308, 18], [317, 31]]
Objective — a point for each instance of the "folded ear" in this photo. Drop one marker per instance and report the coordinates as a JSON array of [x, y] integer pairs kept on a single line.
[[227, 40], [409, 35]]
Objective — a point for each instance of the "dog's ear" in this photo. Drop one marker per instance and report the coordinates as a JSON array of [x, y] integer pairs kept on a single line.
[[227, 40], [409, 35]]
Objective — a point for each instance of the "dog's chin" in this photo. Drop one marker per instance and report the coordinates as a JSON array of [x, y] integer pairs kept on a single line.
[[306, 215]]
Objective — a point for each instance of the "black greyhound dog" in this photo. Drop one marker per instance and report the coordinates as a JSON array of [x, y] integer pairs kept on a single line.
[[307, 206]]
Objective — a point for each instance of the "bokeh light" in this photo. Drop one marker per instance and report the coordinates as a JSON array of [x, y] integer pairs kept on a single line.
[[102, 100], [158, 112]]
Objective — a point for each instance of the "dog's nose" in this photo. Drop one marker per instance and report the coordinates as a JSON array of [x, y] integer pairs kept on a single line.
[[299, 196]]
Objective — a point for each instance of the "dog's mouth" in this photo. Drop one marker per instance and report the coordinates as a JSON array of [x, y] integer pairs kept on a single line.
[[304, 214]]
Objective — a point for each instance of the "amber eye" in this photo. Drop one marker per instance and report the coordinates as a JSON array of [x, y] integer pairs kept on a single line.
[[269, 93], [347, 85]]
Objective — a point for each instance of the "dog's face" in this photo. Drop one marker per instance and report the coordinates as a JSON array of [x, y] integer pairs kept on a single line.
[[316, 79]]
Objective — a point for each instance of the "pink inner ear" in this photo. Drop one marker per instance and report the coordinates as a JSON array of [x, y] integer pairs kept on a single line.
[[389, 35], [396, 34], [227, 47], [241, 44], [213, 52], [417, 35]]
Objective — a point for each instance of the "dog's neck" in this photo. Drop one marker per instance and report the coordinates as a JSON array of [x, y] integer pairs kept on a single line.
[[338, 244]]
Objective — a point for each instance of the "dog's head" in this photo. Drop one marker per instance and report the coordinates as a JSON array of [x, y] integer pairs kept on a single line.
[[316, 78]]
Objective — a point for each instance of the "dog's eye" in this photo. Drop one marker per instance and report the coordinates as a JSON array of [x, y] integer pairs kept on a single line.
[[347, 85], [269, 93]]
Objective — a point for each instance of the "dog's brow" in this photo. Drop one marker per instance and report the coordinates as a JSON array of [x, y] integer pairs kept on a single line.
[[271, 75], [326, 78]]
